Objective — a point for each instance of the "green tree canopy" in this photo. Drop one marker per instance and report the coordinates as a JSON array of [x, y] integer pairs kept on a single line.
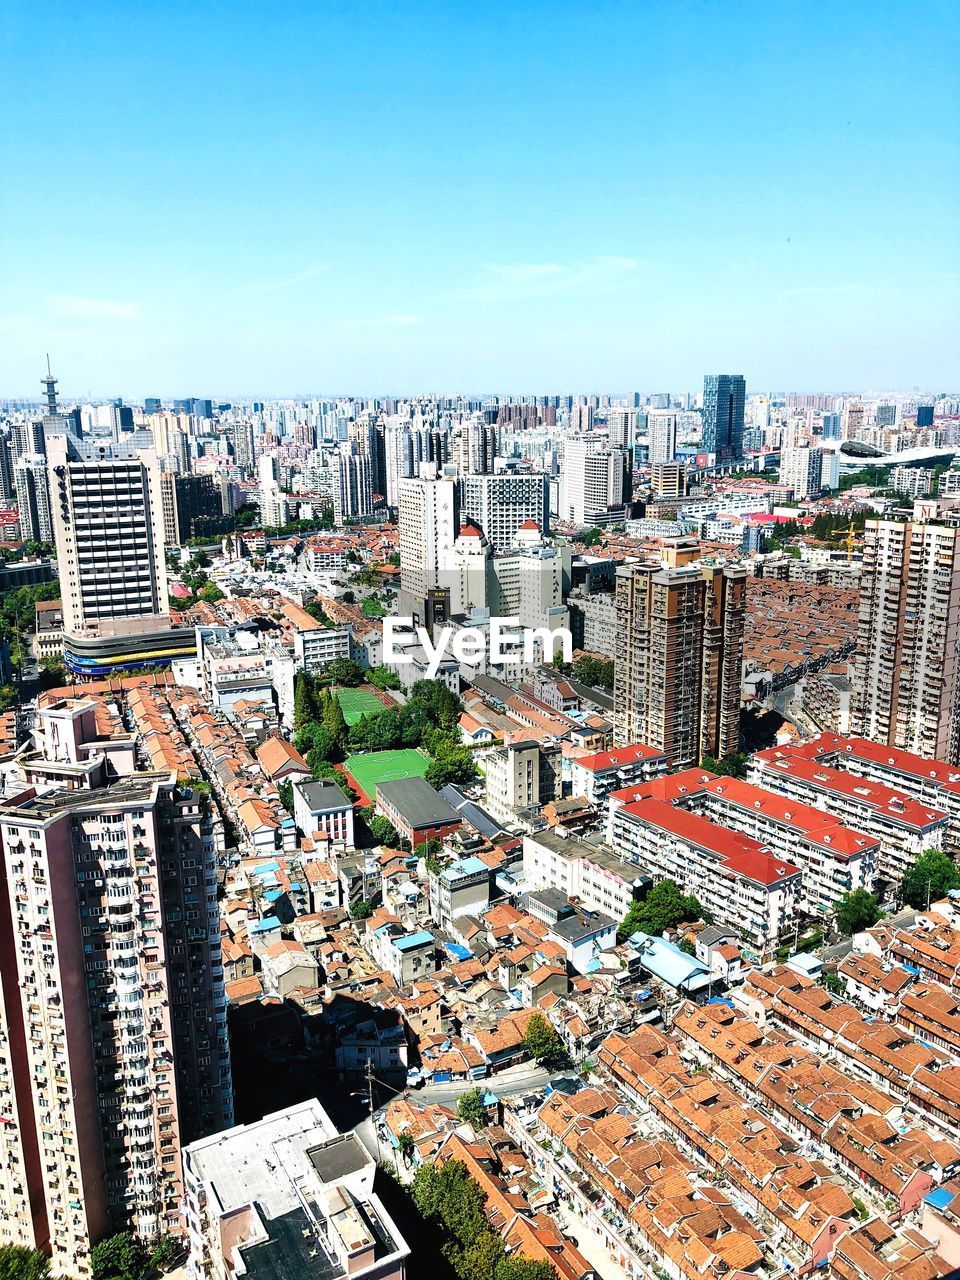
[[517, 1267], [731, 766], [384, 832], [384, 678], [595, 672], [857, 910], [451, 763], [121, 1257], [663, 908], [932, 876], [470, 1107], [362, 910], [18, 1263], [543, 1044], [345, 671]]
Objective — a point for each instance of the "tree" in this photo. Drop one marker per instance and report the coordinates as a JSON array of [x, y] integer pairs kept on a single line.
[[286, 795], [384, 678], [19, 1263], [333, 720], [450, 1196], [543, 1044], [597, 673], [406, 1146], [211, 593], [932, 876], [164, 1253], [517, 1267], [384, 832], [857, 910], [345, 671], [316, 737], [731, 766], [362, 910], [305, 709], [663, 908], [121, 1257], [452, 764], [470, 1107]]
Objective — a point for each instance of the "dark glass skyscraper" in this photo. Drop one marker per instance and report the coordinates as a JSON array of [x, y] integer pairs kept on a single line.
[[724, 395]]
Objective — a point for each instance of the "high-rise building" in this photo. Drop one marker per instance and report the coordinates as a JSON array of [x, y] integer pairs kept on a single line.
[[831, 426], [107, 510], [429, 521], [192, 508], [662, 437], [479, 445], [108, 520], [32, 487], [724, 396], [886, 415], [801, 469], [621, 427], [501, 504], [152, 404], [113, 1036], [679, 651], [907, 690], [352, 484], [924, 415], [596, 482]]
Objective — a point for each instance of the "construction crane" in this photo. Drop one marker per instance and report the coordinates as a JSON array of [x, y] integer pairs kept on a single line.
[[848, 540]]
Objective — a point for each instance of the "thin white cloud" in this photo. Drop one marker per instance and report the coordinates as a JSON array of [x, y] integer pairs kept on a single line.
[[397, 321], [70, 306], [288, 282], [833, 290], [515, 280]]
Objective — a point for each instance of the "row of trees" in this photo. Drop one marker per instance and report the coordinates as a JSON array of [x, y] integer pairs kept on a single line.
[[427, 720], [448, 1199], [932, 876]]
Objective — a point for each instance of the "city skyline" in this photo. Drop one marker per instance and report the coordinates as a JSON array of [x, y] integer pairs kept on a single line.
[[581, 199]]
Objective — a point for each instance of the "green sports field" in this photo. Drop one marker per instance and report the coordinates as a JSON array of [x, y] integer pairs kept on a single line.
[[373, 767], [355, 703]]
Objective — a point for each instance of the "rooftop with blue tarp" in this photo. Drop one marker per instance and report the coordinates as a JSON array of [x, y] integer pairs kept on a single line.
[[464, 867], [669, 963], [939, 1198], [411, 940], [264, 925], [458, 952]]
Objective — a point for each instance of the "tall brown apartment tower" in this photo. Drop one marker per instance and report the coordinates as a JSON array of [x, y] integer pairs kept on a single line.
[[113, 1037], [678, 659], [907, 669]]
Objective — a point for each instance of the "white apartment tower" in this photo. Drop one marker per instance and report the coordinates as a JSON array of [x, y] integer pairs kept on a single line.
[[429, 520], [596, 482], [801, 467], [502, 504], [907, 669], [352, 484], [662, 437], [108, 523]]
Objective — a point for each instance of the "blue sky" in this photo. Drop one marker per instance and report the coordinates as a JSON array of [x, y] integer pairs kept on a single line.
[[283, 198]]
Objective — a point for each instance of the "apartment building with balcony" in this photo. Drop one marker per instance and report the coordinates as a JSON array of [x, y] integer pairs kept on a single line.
[[595, 776], [833, 858], [907, 665], [931, 782], [904, 827], [113, 1033], [738, 880]]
